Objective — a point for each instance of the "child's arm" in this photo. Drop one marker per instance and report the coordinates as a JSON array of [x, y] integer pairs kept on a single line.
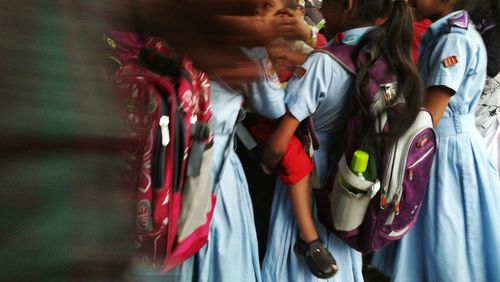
[[304, 95], [451, 61], [278, 143], [436, 100]]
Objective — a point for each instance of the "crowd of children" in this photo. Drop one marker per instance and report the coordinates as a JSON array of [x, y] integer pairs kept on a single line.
[[456, 237], [262, 56]]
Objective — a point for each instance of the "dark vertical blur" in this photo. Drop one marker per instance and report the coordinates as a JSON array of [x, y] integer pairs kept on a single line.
[[65, 210]]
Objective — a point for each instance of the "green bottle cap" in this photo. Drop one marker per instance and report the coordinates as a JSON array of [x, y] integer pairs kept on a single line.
[[359, 161]]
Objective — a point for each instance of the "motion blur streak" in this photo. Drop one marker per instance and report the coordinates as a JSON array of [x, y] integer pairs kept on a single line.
[[66, 212]]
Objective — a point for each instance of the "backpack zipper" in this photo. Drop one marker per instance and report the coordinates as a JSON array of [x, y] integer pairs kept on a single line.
[[377, 104], [388, 176], [401, 173], [403, 164], [421, 159], [161, 141], [164, 130]]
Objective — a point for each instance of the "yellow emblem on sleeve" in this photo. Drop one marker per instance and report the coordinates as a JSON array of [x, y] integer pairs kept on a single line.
[[450, 61]]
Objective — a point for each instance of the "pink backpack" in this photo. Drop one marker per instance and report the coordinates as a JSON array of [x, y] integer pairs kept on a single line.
[[389, 205], [166, 102]]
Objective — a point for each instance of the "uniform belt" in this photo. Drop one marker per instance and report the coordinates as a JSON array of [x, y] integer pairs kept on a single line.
[[455, 125]]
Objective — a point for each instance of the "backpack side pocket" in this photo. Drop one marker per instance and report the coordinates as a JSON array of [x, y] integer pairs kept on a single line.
[[348, 205]]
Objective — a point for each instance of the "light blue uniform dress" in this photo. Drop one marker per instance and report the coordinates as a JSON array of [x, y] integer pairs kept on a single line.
[[322, 93], [232, 251], [457, 235]]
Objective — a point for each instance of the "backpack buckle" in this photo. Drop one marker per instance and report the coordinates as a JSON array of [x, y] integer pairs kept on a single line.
[[389, 91], [374, 189], [383, 200], [396, 207]]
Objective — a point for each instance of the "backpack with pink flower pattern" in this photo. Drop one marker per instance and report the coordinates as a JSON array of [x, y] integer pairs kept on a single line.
[[166, 101]]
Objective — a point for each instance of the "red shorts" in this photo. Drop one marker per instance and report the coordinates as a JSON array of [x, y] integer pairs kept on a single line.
[[295, 164]]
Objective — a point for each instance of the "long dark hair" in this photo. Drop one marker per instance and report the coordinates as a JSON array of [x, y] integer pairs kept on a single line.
[[391, 41]]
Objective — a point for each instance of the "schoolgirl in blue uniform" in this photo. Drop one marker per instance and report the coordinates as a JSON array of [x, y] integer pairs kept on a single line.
[[457, 235], [320, 90], [231, 253]]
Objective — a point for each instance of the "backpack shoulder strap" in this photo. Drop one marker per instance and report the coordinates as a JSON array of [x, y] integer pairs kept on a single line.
[[230, 147], [342, 54]]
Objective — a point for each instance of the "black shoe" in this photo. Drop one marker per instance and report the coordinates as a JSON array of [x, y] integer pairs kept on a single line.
[[318, 258]]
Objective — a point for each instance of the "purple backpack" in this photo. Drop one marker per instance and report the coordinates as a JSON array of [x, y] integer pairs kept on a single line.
[[389, 205]]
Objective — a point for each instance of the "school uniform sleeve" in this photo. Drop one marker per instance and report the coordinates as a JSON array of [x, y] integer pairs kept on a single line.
[[304, 94], [449, 61], [265, 96]]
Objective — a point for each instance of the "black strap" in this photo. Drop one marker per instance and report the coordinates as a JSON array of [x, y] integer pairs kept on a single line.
[[179, 147], [229, 148], [245, 137], [200, 131], [159, 64]]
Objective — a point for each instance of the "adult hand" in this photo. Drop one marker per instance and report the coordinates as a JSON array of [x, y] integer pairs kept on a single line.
[[210, 33]]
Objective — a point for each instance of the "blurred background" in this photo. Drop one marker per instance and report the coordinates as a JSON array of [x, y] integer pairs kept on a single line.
[[66, 212]]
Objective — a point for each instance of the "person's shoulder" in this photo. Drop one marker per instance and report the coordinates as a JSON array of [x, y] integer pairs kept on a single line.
[[461, 26], [458, 44], [321, 64], [341, 55], [463, 33], [323, 57], [459, 23], [458, 36]]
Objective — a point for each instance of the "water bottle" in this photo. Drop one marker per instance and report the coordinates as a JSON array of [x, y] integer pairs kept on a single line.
[[358, 166]]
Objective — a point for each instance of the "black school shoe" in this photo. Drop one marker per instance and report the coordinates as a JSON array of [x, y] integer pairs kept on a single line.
[[318, 258]]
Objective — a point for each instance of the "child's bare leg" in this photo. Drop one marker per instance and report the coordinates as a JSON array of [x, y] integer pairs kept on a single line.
[[320, 261], [300, 196]]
